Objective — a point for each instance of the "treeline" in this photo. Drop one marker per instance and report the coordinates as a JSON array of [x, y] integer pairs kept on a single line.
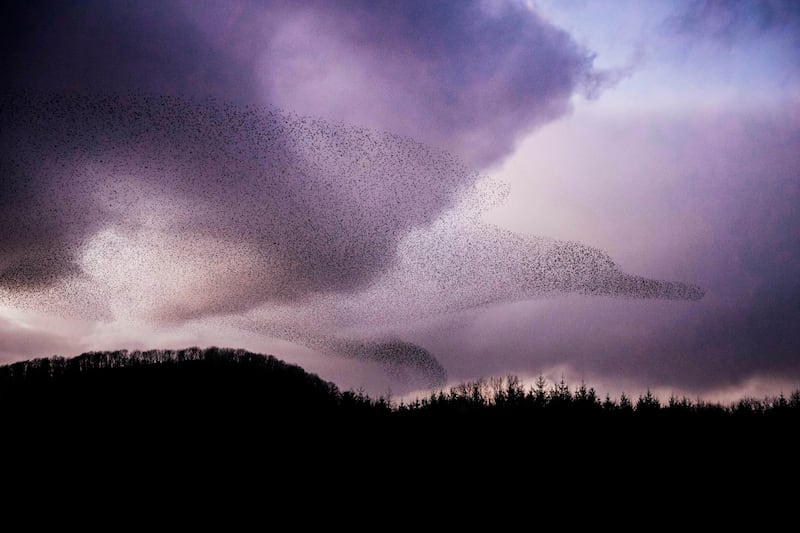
[[189, 383], [211, 381], [509, 395]]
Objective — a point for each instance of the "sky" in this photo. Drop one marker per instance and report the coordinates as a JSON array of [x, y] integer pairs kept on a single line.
[[404, 195]]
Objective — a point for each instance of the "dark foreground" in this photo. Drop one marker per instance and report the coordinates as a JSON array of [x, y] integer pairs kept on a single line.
[[234, 411]]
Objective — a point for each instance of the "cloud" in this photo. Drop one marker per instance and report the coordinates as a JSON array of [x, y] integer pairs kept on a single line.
[[145, 164], [718, 207], [206, 209], [729, 21], [467, 76], [20, 339], [148, 46]]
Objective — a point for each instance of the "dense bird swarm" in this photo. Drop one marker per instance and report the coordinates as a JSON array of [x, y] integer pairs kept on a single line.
[[169, 209]]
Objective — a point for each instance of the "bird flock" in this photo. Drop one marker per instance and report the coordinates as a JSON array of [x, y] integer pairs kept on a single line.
[[173, 210]]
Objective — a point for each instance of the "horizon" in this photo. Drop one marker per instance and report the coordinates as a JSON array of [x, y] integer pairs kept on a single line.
[[483, 392]]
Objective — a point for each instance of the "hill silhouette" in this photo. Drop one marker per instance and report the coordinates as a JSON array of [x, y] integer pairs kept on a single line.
[[166, 390], [196, 410], [234, 386]]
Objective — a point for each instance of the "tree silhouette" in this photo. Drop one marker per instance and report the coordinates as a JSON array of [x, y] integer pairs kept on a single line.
[[647, 404], [217, 391], [625, 405]]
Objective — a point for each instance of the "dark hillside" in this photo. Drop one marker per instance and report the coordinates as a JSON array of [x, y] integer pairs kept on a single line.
[[192, 399], [213, 393]]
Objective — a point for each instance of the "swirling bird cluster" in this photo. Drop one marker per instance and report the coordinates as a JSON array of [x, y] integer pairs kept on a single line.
[[172, 210]]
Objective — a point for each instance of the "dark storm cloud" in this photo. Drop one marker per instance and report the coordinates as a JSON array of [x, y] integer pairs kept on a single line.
[[99, 46], [467, 76], [294, 207], [459, 74], [470, 77], [461, 70], [110, 122]]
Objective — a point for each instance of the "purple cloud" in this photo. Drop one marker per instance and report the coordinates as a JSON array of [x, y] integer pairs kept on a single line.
[[728, 21], [467, 76], [142, 156]]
